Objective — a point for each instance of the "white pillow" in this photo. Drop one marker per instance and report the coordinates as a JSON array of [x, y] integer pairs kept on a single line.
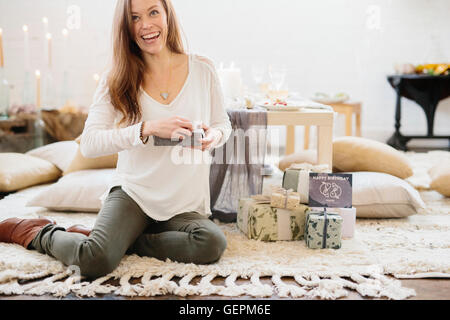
[[78, 191], [60, 154], [380, 195]]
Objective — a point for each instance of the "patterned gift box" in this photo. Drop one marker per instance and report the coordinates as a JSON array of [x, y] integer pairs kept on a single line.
[[284, 199], [323, 230], [297, 178], [260, 221], [348, 220]]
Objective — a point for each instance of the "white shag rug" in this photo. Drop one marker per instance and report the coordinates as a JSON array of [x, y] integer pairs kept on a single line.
[[415, 247]]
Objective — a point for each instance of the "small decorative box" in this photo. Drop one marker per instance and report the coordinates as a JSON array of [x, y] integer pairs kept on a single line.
[[284, 199], [323, 230], [349, 220]]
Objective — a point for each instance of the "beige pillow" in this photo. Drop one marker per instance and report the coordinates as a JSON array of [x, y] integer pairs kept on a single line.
[[60, 154], [380, 195], [360, 154], [19, 171], [78, 192], [306, 156], [80, 162], [440, 178]]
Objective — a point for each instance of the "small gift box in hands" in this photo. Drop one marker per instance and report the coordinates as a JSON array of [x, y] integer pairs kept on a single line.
[[193, 141]]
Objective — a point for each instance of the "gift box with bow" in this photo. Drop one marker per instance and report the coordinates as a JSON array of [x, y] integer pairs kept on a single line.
[[296, 178], [323, 230], [260, 221], [284, 199]]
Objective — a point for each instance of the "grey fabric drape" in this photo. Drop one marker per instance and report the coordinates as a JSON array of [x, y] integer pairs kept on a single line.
[[237, 167]]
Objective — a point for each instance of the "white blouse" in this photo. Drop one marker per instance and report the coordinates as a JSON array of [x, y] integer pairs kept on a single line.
[[163, 181]]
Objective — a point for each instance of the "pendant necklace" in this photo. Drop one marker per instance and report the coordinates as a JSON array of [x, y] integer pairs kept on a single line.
[[165, 94]]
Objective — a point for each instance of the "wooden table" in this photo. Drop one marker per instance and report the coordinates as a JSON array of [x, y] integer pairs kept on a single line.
[[323, 119], [348, 109]]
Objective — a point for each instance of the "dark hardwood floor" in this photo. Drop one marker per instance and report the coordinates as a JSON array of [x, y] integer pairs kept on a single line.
[[426, 289]]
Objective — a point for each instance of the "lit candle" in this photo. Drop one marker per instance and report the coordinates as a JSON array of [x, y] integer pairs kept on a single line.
[[2, 62], [49, 50], [45, 22], [96, 79], [27, 63], [38, 89]]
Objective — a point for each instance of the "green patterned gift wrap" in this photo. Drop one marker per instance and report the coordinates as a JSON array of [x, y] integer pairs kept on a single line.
[[260, 221], [316, 224], [296, 178]]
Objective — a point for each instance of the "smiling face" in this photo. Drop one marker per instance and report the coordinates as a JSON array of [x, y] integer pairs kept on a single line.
[[150, 26]]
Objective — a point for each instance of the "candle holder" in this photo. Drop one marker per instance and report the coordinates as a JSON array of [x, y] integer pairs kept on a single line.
[[27, 93], [4, 95], [65, 94], [39, 126], [48, 98]]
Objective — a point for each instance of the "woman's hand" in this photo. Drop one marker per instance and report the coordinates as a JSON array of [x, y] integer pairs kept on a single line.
[[212, 138], [175, 128]]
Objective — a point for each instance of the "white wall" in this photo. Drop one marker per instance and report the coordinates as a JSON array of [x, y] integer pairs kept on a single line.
[[329, 45]]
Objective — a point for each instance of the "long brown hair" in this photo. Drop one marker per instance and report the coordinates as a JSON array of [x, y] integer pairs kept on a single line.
[[128, 66]]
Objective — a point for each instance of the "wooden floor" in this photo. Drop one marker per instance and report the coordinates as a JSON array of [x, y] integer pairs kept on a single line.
[[426, 289]]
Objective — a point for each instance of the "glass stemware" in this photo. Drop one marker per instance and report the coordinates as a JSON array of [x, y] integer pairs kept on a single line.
[[4, 95], [258, 72], [277, 74]]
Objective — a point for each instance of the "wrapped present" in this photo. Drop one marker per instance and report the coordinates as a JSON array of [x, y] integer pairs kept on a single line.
[[323, 230], [349, 220], [284, 199], [259, 221], [297, 178]]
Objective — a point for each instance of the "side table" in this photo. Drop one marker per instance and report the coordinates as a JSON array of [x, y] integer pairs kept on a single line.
[[427, 91]]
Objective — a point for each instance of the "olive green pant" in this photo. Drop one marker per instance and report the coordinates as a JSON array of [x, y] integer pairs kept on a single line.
[[123, 228]]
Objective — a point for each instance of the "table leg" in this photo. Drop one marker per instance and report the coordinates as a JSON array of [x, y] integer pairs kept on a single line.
[[358, 125], [306, 140], [430, 114], [397, 141], [348, 122], [290, 140], [398, 112], [325, 145]]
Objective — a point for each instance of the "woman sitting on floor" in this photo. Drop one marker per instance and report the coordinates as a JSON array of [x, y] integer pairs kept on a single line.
[[156, 206]]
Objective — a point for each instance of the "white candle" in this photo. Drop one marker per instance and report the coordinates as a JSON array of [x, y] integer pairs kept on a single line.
[[231, 81], [2, 62], [96, 78], [27, 63], [49, 50], [38, 89], [45, 22]]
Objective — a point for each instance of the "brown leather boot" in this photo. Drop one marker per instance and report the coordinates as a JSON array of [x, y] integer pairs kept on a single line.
[[78, 228], [21, 231]]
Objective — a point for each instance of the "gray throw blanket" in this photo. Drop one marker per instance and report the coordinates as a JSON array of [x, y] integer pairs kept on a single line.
[[237, 168]]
